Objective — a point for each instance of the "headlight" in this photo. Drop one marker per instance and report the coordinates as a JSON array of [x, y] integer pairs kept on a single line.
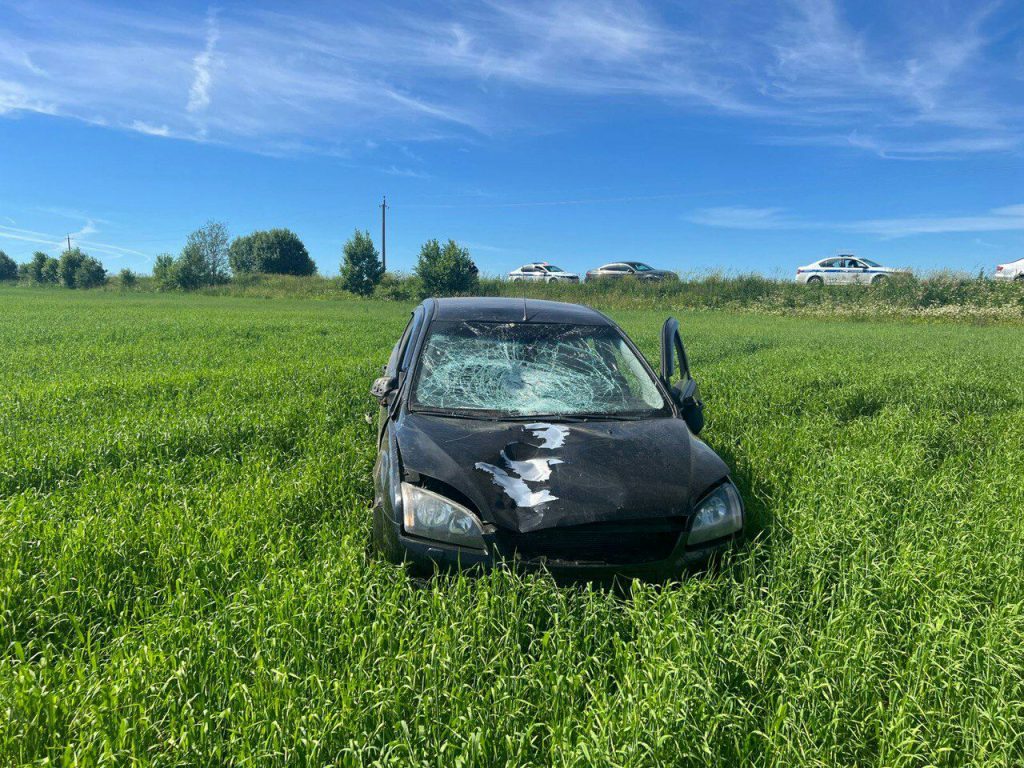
[[432, 516], [719, 514]]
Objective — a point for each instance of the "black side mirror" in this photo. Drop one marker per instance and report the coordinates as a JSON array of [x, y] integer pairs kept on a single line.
[[383, 387], [686, 393]]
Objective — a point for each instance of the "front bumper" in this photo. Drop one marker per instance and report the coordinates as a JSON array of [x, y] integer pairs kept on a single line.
[[427, 556]]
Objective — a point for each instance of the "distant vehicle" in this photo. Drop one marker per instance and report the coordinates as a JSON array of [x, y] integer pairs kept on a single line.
[[637, 269], [543, 272], [1012, 270], [844, 270]]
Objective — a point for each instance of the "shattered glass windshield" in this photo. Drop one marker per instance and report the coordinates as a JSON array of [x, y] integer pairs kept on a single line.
[[533, 369]]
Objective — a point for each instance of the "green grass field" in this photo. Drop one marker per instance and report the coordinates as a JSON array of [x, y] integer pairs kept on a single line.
[[184, 575]]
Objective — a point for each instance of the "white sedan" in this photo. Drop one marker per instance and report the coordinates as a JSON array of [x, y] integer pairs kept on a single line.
[[844, 270], [543, 272], [1012, 270]]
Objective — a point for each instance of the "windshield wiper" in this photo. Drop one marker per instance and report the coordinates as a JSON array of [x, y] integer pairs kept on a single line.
[[476, 416], [586, 416]]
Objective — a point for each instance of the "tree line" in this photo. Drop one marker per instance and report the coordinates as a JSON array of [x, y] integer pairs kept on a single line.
[[210, 257]]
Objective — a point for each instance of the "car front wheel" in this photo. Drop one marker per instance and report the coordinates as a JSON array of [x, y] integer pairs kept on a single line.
[[879, 280]]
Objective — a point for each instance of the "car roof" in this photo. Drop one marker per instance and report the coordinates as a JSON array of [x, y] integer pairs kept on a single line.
[[499, 309]]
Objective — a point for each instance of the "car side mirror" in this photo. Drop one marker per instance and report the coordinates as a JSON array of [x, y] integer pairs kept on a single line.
[[383, 388], [686, 393]]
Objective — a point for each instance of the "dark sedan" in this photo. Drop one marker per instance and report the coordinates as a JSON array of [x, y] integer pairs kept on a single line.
[[635, 269], [535, 433]]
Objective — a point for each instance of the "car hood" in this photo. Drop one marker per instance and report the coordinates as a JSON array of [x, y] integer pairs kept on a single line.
[[525, 476]]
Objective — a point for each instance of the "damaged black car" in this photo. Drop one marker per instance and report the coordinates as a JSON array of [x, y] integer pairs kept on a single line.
[[535, 433]]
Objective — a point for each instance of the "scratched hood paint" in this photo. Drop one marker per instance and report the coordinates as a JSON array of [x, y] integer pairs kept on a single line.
[[525, 476]]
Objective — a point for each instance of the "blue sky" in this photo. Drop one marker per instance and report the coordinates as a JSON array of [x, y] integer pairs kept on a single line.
[[696, 136]]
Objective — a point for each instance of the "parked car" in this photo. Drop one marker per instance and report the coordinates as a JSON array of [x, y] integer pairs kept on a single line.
[[535, 433], [1012, 270], [844, 270], [542, 271], [636, 269]]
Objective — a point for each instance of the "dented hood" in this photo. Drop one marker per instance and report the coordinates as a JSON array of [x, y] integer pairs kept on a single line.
[[525, 476]]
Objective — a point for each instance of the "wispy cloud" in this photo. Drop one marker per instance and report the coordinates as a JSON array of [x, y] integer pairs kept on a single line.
[[202, 64], [56, 243], [917, 83], [1006, 218], [150, 130], [743, 217]]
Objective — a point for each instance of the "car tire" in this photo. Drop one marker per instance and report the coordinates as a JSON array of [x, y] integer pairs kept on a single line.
[[551, 280], [1019, 278], [815, 280], [879, 280], [516, 280], [384, 539]]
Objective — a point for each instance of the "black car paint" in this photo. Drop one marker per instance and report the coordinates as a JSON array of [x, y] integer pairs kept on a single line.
[[612, 471]]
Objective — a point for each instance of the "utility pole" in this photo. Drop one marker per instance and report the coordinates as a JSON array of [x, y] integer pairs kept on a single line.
[[384, 234], [69, 241]]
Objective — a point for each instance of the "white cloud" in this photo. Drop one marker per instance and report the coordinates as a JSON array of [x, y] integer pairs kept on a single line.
[[916, 84], [199, 92], [1006, 218], [741, 217], [150, 130]]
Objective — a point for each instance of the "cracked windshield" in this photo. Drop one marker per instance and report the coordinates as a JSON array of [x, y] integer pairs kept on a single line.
[[533, 369]]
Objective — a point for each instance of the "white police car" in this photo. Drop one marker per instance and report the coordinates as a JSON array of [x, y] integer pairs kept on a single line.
[[543, 272], [1012, 270], [844, 269]]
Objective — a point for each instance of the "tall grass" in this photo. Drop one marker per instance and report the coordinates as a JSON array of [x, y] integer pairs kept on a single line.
[[937, 296], [184, 575]]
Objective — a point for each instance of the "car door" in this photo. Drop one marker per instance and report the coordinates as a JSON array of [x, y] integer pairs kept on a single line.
[[830, 271], [531, 273], [616, 270], [686, 393], [859, 272]]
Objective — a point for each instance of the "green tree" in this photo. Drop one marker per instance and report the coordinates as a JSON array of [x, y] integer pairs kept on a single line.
[[361, 269], [165, 272], [90, 273], [274, 251], [8, 267], [70, 261], [127, 278], [191, 270], [33, 270], [206, 252], [50, 271], [445, 271]]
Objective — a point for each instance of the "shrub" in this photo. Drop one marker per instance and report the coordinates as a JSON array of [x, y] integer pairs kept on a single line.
[[42, 269], [190, 269], [165, 272], [205, 256], [361, 269], [275, 251], [70, 261], [394, 287], [8, 268], [445, 271], [90, 273], [127, 278], [51, 271]]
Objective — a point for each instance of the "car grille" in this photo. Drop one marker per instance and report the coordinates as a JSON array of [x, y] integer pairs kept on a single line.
[[620, 543]]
